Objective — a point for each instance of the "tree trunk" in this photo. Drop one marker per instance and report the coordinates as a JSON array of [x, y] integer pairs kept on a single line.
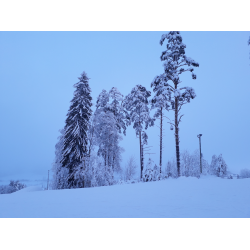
[[105, 159], [161, 142], [142, 159], [200, 155], [140, 153], [113, 164], [177, 136]]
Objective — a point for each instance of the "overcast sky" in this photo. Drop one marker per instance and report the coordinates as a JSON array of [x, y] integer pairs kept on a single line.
[[38, 70]]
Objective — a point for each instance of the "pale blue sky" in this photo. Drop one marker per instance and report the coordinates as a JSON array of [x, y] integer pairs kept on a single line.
[[38, 70]]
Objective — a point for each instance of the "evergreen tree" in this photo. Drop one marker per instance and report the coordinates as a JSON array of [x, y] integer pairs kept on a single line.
[[148, 172], [160, 103], [136, 103], [175, 63], [218, 166], [76, 127]]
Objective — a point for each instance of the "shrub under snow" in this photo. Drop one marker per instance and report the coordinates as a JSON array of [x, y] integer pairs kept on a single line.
[[245, 173], [12, 187]]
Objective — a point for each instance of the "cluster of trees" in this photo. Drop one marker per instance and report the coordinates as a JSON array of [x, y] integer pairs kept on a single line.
[[12, 187], [77, 164], [189, 166], [88, 151]]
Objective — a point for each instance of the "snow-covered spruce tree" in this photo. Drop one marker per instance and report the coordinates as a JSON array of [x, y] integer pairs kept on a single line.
[[218, 166], [152, 172], [222, 166], [136, 103], [59, 173], [160, 102], [148, 171], [76, 127], [175, 63]]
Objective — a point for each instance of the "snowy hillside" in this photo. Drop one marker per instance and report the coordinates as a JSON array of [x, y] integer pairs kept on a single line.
[[190, 197]]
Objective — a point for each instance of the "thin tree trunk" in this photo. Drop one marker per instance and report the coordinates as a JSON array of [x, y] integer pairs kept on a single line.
[[161, 142], [105, 157], [177, 136], [142, 158], [140, 153]]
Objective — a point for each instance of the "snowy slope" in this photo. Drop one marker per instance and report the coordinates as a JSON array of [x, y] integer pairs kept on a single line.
[[178, 198]]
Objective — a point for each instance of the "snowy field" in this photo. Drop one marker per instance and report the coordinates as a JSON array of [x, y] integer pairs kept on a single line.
[[207, 197]]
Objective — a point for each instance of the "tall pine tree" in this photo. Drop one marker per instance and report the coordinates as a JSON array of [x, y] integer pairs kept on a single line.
[[160, 102], [136, 104], [175, 63], [76, 127]]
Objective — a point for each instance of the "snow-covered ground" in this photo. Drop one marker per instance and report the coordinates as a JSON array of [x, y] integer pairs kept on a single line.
[[207, 197]]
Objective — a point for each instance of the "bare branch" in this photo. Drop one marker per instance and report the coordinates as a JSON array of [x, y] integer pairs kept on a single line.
[[173, 124], [180, 119]]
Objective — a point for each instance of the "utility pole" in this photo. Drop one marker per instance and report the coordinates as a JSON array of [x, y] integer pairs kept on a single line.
[[48, 181], [199, 136]]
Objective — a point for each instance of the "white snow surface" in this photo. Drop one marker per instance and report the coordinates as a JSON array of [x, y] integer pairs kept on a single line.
[[185, 197]]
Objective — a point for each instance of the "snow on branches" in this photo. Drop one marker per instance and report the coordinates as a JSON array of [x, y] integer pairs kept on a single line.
[[166, 85], [218, 166], [136, 103], [175, 60], [76, 127], [110, 119]]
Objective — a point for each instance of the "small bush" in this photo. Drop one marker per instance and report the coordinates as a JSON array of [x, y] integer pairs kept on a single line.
[[12, 187], [17, 185], [245, 173]]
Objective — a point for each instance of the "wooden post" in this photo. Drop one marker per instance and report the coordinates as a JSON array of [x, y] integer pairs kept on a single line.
[[48, 181]]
